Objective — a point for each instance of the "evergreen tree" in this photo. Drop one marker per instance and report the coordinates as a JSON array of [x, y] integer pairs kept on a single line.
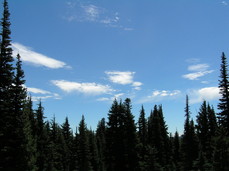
[[130, 137], [189, 145], [101, 144], [93, 151], [30, 137], [43, 140], [142, 127], [83, 150], [143, 137], [223, 106], [7, 118], [68, 161], [176, 152], [115, 156]]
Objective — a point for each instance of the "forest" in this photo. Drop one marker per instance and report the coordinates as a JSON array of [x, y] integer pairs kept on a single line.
[[28, 142]]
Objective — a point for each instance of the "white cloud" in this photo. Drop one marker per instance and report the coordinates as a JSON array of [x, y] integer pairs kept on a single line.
[[92, 12], [124, 78], [85, 88], [30, 56], [110, 99], [207, 93], [84, 12], [198, 67], [196, 75], [45, 94], [158, 95], [37, 90], [200, 70], [120, 77]]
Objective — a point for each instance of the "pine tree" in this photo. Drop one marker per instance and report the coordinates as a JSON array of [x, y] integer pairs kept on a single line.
[[203, 126], [223, 106], [93, 151], [115, 157], [176, 152], [143, 137], [142, 127], [130, 137], [7, 117], [83, 150], [68, 161], [43, 140], [101, 144], [189, 145], [30, 137]]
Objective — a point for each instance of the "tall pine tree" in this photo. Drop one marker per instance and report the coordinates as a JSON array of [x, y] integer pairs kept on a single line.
[[223, 106]]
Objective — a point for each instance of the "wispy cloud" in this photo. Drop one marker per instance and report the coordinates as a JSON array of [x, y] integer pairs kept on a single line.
[[85, 88], [198, 70], [207, 93], [88, 12], [35, 58], [40, 94], [123, 78], [110, 99], [159, 95]]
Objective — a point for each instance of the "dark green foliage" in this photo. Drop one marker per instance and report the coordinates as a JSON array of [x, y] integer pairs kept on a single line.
[[223, 106], [189, 146], [101, 144], [93, 150], [68, 158], [83, 148], [30, 136]]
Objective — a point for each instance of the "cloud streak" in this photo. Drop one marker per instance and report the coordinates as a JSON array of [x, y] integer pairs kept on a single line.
[[84, 88], [198, 70], [84, 12], [40, 94], [35, 58], [159, 95]]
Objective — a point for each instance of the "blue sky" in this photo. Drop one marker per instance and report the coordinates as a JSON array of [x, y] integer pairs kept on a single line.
[[79, 55]]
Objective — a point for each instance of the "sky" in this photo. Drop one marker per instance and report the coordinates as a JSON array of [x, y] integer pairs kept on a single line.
[[79, 55]]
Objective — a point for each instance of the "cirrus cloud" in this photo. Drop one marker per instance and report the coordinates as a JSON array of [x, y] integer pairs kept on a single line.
[[85, 88], [30, 56]]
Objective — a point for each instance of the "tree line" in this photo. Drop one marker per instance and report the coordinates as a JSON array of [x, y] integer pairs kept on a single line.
[[28, 142]]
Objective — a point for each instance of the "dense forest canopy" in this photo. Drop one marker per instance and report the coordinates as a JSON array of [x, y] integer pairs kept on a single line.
[[28, 142]]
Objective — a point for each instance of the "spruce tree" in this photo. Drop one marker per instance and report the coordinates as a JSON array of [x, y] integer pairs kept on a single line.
[[189, 145], [43, 140], [68, 161], [30, 145], [223, 106], [7, 118], [130, 137], [115, 141], [93, 150], [83, 149], [101, 144], [176, 151]]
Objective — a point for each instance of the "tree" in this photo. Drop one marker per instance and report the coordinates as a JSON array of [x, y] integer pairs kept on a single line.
[[101, 144], [7, 118], [43, 140], [189, 145], [68, 161], [223, 106], [130, 137], [176, 152], [83, 150]]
